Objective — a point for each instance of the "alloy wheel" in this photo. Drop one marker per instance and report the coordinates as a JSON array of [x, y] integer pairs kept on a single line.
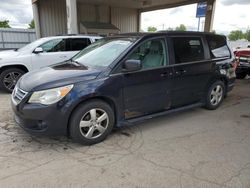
[[11, 79], [94, 123], [216, 95]]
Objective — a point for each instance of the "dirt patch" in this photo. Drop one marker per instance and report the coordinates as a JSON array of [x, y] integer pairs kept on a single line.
[[245, 116]]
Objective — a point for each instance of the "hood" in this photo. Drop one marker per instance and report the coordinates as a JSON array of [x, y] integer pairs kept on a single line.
[[56, 76], [8, 54]]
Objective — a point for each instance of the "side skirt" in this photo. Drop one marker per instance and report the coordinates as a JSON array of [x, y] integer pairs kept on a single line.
[[151, 116]]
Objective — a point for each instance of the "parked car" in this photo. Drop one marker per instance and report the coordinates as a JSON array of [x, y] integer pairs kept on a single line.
[[38, 54], [243, 68], [125, 79]]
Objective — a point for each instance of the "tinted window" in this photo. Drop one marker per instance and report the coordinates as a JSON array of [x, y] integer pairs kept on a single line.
[[152, 54], [188, 49], [56, 45], [218, 46], [79, 43]]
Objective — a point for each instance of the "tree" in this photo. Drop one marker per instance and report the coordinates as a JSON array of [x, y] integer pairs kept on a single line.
[[152, 29], [247, 35], [182, 27], [4, 24], [32, 24], [170, 29], [235, 35]]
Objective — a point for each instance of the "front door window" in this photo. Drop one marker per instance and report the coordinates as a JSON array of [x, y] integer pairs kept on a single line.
[[152, 54], [56, 45]]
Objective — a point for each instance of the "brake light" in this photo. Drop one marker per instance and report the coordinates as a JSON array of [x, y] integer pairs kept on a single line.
[[235, 63]]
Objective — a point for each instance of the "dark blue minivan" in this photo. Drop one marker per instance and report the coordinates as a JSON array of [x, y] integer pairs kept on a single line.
[[124, 79]]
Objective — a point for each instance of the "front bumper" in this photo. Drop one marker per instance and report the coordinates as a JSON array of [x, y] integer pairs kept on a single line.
[[40, 119]]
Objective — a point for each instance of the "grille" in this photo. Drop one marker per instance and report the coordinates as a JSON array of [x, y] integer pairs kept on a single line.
[[18, 95]]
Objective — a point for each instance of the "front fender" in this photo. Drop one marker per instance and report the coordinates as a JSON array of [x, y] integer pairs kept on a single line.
[[104, 89]]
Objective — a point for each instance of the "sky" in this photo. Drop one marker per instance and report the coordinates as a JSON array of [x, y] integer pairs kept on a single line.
[[18, 12], [229, 15]]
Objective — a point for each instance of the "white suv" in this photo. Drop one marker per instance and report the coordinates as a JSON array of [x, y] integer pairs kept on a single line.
[[38, 54]]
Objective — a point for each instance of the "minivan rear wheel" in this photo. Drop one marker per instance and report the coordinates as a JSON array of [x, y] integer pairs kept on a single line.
[[215, 95], [91, 122], [9, 78]]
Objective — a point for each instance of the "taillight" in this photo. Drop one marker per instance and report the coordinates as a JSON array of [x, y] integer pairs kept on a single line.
[[235, 63]]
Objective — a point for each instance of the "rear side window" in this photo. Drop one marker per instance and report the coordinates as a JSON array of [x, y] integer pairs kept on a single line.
[[218, 46], [78, 44], [188, 49]]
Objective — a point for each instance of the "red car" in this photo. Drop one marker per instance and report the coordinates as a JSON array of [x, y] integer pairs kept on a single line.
[[243, 57]]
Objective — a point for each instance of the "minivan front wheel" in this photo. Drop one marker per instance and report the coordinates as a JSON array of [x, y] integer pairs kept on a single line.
[[215, 95], [91, 122]]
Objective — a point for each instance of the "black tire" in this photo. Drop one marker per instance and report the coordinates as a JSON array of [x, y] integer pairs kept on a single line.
[[13, 74], [210, 104], [241, 75], [81, 113]]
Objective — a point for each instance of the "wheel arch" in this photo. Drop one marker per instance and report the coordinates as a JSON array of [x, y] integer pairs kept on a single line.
[[225, 81], [105, 99], [213, 80], [217, 78], [19, 66]]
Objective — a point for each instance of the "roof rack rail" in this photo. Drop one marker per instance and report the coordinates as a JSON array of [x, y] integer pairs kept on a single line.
[[76, 35], [69, 34]]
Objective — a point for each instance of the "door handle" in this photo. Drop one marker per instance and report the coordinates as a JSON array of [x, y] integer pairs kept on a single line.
[[180, 72], [63, 56], [164, 74], [183, 71]]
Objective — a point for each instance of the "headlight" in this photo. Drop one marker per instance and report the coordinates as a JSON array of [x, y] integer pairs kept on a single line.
[[50, 96]]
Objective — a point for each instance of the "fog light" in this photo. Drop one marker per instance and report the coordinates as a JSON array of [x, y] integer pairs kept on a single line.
[[41, 125]]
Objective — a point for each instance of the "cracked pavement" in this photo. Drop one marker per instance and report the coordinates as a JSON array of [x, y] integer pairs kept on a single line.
[[195, 148]]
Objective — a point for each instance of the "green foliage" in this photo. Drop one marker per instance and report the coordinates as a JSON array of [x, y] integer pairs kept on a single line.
[[32, 24], [4, 24], [181, 27], [170, 29], [152, 29], [247, 35], [235, 35]]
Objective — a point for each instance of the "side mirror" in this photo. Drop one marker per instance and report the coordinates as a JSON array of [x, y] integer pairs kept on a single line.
[[132, 65], [38, 50]]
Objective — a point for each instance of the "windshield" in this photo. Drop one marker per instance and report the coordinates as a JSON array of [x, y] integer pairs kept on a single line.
[[32, 45], [103, 52]]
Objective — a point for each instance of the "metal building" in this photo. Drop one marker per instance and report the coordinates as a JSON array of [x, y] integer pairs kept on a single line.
[[54, 17], [11, 38]]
